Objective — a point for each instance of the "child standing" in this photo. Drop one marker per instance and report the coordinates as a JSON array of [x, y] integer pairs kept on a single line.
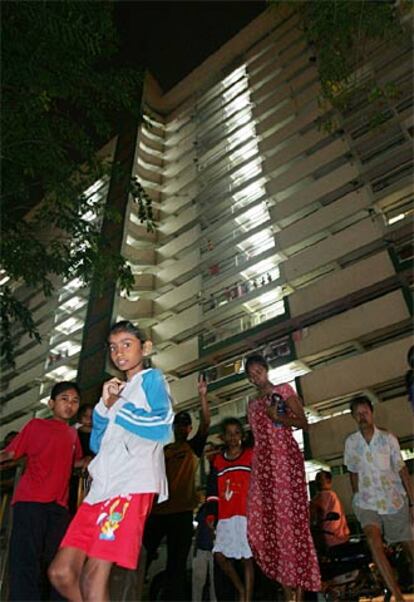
[[84, 427], [131, 423], [80, 480], [227, 496], [40, 515]]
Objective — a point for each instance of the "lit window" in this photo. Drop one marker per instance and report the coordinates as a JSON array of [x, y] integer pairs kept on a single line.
[[73, 285], [396, 218], [72, 304], [251, 192], [62, 373], [234, 76], [69, 326]]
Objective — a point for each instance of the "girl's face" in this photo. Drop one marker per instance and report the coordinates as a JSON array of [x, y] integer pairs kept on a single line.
[[126, 352], [257, 375], [232, 436]]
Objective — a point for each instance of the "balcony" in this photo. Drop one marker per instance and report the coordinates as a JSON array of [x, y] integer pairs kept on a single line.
[[228, 377], [357, 373], [242, 261], [246, 290], [238, 325], [341, 282], [353, 326]]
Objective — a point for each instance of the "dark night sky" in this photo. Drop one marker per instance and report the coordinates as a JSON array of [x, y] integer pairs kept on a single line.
[[171, 38]]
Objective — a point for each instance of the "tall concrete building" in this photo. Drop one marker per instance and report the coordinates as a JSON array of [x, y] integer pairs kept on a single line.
[[273, 235]]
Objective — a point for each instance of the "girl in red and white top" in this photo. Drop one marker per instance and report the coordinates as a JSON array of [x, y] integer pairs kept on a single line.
[[227, 491]]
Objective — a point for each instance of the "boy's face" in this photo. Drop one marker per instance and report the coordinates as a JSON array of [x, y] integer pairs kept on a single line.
[[126, 351], [181, 430], [65, 405]]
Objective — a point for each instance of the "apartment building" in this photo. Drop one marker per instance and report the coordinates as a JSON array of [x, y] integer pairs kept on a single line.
[[273, 235]]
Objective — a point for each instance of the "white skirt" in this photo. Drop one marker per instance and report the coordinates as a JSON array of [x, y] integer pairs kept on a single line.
[[231, 538]]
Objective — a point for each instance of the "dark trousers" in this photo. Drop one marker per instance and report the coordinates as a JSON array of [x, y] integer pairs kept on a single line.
[[38, 529], [178, 528]]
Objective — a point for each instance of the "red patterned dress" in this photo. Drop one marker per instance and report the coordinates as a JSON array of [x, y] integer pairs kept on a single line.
[[277, 511]]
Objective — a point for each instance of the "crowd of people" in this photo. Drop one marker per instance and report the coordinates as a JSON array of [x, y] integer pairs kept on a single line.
[[141, 488]]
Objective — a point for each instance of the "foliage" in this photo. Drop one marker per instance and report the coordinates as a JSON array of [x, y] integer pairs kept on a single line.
[[62, 93], [341, 33], [144, 203]]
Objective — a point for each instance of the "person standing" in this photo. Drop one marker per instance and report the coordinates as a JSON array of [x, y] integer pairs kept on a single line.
[[80, 480], [174, 518], [227, 490], [383, 493], [277, 510], [40, 516], [84, 427], [131, 423], [203, 562]]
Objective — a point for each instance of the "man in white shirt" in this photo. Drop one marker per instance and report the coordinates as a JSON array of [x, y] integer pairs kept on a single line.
[[383, 493]]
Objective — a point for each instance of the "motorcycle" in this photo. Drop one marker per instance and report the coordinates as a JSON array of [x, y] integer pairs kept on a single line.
[[347, 570]]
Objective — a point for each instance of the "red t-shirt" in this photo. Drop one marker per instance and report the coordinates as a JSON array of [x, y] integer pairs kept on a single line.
[[50, 447], [232, 482]]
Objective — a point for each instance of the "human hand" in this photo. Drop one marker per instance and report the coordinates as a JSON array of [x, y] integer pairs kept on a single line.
[[202, 385], [5, 456], [210, 523], [271, 411], [83, 463], [111, 391]]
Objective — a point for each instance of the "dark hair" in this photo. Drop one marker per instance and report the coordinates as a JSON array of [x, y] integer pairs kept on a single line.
[[228, 422], [63, 386], [361, 400], [127, 326], [325, 473], [183, 417], [11, 434], [83, 408], [255, 358]]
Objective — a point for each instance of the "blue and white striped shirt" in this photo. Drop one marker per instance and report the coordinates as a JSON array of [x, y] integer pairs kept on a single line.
[[129, 438]]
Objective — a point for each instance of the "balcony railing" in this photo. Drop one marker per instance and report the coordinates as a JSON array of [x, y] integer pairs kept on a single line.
[[239, 289], [239, 325], [277, 352]]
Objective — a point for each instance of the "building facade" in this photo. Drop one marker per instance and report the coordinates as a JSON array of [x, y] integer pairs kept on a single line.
[[273, 235]]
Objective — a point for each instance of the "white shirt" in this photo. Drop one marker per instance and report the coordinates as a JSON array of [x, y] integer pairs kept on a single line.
[[378, 464], [126, 462]]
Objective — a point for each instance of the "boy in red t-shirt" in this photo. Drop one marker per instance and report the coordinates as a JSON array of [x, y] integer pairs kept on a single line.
[[40, 516]]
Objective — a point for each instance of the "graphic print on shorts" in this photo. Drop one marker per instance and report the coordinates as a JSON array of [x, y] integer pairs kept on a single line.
[[110, 521]]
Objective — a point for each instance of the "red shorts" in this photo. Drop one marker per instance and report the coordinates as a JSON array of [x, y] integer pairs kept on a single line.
[[111, 530]]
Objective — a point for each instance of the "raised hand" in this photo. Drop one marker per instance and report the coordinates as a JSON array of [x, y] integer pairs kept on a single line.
[[111, 391], [202, 385]]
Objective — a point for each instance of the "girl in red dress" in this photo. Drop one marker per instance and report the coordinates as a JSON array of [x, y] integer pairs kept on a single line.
[[277, 513]]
